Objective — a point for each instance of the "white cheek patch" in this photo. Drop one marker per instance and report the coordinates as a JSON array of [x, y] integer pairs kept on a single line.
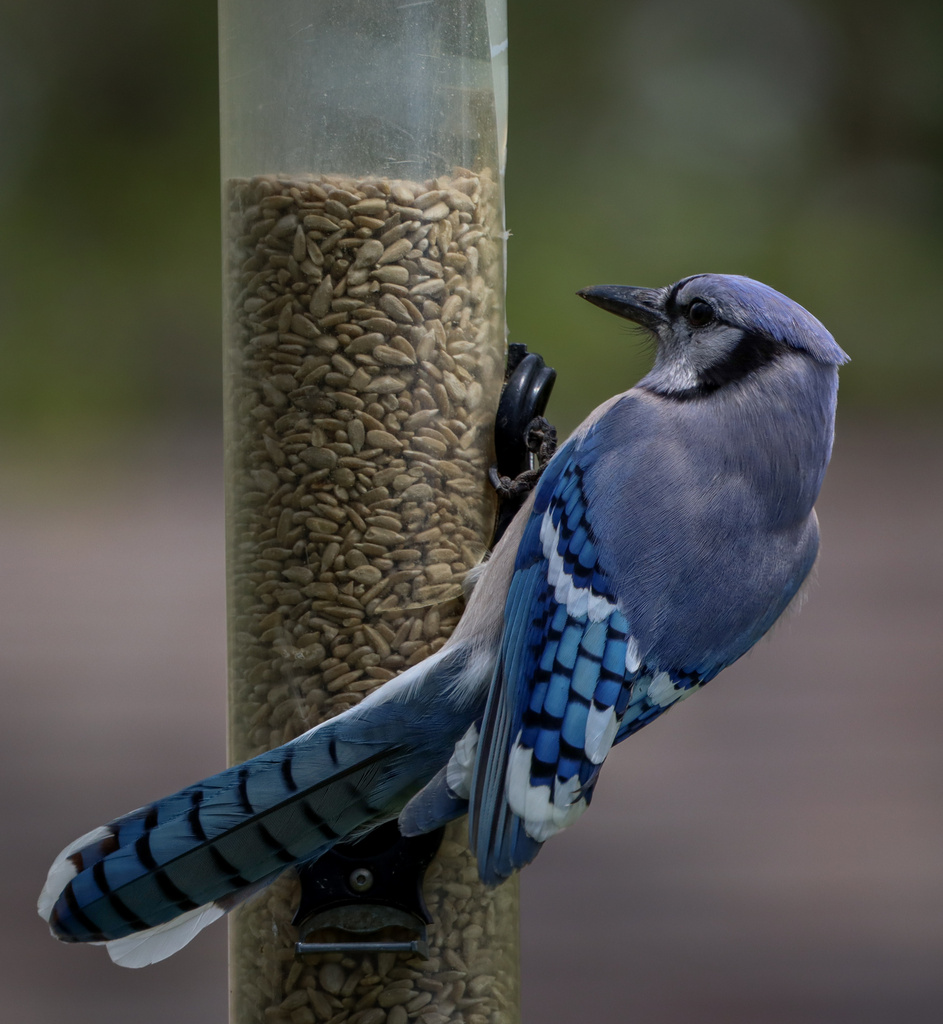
[[579, 601], [460, 769], [542, 816]]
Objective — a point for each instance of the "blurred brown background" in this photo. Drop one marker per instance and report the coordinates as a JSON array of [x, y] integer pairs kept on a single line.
[[769, 855]]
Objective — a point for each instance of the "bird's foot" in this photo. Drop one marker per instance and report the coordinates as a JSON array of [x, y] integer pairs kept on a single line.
[[541, 441]]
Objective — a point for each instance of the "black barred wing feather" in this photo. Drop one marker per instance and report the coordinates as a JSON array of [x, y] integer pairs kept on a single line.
[[565, 681]]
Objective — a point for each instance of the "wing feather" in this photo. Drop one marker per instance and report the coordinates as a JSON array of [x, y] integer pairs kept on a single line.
[[561, 682]]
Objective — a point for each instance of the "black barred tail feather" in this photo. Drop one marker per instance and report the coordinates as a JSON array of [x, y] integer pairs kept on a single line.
[[191, 856], [146, 883]]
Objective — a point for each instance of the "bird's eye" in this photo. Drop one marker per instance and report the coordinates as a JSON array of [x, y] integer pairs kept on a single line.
[[699, 313]]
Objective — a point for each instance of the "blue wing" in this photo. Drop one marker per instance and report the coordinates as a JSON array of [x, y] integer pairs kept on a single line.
[[569, 681]]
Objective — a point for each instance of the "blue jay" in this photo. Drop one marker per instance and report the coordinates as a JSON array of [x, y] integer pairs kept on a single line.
[[665, 537]]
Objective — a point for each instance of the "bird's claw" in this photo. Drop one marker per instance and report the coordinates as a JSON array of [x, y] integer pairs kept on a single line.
[[541, 441]]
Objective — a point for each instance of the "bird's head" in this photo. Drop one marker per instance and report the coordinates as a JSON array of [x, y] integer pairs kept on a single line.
[[713, 330]]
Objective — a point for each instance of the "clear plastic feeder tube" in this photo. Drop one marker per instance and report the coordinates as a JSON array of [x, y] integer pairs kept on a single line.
[[362, 159]]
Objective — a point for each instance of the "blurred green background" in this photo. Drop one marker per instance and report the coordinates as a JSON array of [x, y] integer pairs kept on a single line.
[[796, 142]]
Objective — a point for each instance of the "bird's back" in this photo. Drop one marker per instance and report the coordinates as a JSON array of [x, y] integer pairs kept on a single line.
[[705, 510]]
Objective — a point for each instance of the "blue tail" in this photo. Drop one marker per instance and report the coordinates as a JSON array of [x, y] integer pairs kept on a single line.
[[168, 869]]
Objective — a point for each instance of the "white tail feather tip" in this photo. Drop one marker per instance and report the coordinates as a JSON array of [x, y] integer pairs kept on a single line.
[[63, 870], [156, 944]]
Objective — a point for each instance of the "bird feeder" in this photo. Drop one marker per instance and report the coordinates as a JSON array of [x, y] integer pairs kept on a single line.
[[362, 163]]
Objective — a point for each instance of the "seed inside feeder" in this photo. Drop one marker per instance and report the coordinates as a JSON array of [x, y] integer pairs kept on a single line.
[[365, 356]]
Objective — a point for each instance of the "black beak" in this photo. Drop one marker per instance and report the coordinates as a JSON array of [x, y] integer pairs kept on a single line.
[[643, 306]]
